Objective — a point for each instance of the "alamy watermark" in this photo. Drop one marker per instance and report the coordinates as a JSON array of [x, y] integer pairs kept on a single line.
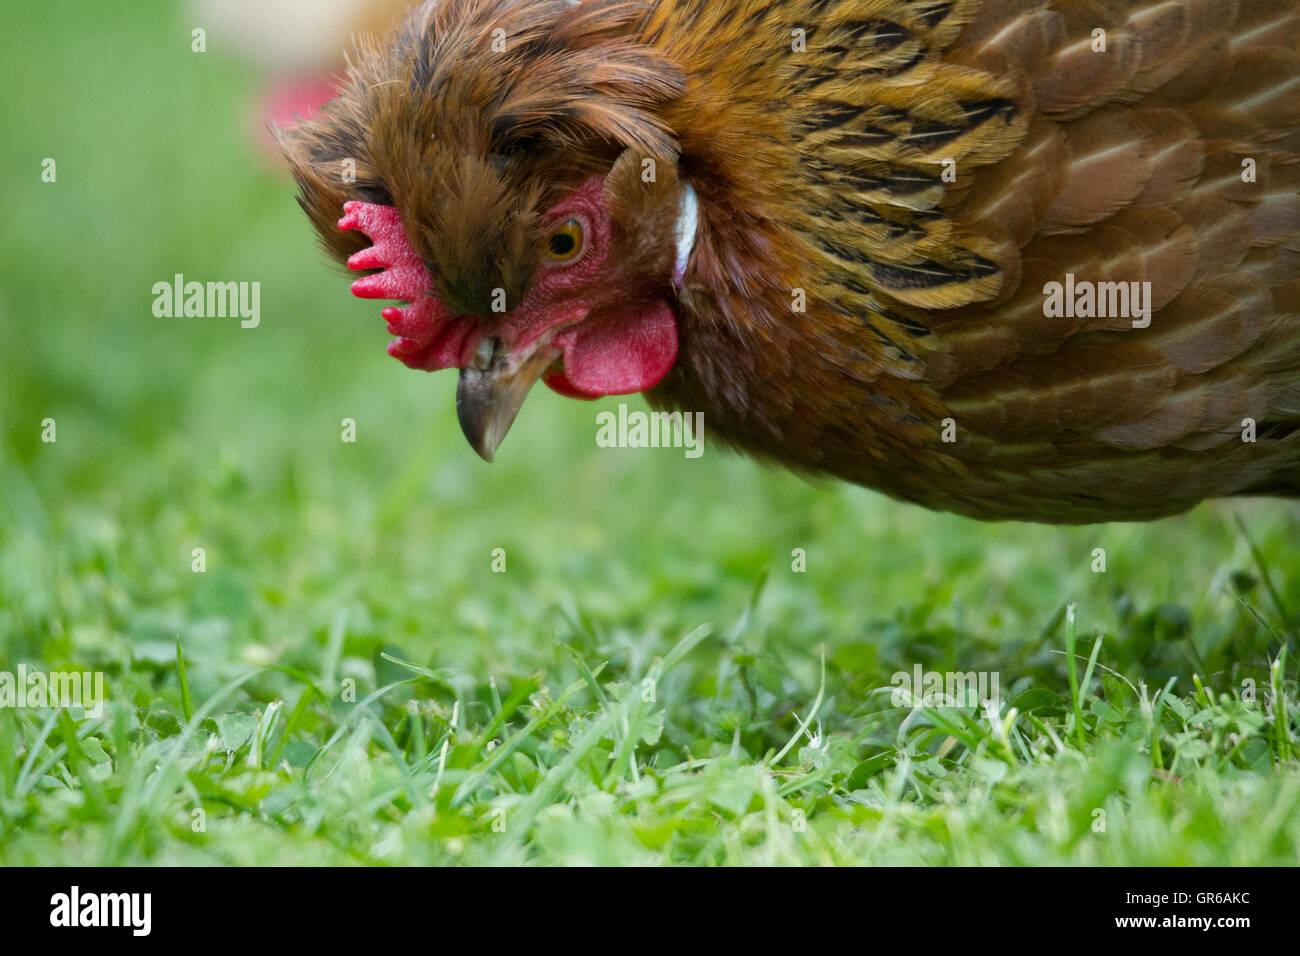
[[945, 689], [35, 688], [638, 429], [75, 908], [210, 300], [1083, 299]]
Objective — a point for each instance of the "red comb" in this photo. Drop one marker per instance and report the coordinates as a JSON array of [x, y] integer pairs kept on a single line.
[[429, 336]]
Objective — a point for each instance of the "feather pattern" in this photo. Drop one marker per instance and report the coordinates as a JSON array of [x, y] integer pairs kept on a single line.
[[1105, 139]]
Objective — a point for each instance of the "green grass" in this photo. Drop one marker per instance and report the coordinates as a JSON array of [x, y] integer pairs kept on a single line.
[[648, 681]]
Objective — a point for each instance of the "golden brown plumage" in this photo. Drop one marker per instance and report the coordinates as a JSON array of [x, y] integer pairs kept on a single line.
[[848, 308]]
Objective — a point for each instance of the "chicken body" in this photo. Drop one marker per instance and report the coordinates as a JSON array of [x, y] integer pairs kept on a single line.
[[905, 208]]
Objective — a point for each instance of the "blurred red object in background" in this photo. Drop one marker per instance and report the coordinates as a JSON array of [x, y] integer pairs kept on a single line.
[[297, 46]]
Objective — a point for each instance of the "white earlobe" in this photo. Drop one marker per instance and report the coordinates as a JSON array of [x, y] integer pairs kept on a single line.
[[688, 216]]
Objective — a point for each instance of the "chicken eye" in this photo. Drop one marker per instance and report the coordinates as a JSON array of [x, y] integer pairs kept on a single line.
[[565, 244]]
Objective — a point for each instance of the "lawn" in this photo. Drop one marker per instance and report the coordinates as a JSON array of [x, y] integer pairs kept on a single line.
[[385, 651]]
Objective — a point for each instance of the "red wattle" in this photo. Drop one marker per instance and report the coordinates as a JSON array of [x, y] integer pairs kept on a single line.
[[617, 356]]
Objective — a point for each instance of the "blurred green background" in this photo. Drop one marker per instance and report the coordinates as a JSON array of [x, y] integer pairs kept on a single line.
[[184, 433]]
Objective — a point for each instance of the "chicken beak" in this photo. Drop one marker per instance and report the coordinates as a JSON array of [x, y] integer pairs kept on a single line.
[[493, 387]]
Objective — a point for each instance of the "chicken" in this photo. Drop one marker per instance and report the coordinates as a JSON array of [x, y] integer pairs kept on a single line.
[[1016, 259]]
